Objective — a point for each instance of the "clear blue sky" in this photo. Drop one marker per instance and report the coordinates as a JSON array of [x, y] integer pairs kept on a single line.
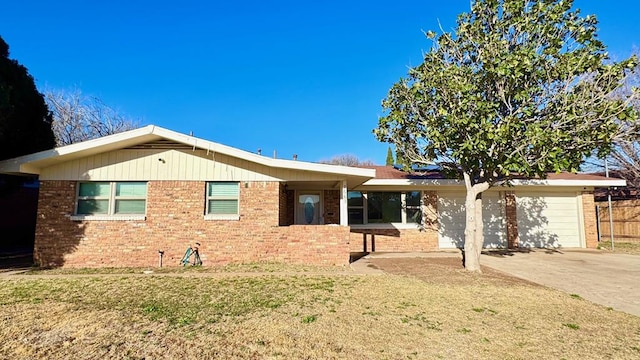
[[300, 77]]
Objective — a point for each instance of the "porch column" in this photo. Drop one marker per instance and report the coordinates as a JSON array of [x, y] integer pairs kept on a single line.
[[344, 211]]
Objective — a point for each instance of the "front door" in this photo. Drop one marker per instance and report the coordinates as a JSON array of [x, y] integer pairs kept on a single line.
[[309, 208]]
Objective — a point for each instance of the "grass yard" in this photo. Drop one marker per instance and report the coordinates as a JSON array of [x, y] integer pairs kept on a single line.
[[621, 246], [440, 311]]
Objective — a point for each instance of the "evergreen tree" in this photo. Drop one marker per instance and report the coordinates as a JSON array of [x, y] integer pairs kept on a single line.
[[390, 160], [25, 121]]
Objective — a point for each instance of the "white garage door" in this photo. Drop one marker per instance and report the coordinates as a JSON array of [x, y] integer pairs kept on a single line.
[[548, 220], [451, 217]]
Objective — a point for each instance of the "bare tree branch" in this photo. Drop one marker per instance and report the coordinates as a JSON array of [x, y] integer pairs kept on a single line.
[[347, 160], [78, 117]]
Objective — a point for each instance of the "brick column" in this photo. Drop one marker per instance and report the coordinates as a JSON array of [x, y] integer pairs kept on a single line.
[[512, 219], [590, 220]]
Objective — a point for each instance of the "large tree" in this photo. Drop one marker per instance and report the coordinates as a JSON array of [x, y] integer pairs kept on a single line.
[[519, 88], [25, 122], [78, 117]]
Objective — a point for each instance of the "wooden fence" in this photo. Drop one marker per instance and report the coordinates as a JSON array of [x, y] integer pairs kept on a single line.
[[626, 219]]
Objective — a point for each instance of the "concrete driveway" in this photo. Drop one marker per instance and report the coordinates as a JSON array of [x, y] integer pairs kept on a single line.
[[612, 280]]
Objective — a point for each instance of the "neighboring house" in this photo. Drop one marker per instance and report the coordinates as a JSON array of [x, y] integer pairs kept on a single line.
[[120, 199]]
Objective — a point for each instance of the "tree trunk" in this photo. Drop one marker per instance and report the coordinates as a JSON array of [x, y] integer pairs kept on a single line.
[[473, 232]]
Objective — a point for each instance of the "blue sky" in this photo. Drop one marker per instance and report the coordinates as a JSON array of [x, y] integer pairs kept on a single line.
[[298, 77]]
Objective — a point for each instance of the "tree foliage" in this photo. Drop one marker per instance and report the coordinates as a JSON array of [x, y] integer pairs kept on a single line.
[[25, 122], [347, 160], [78, 117], [521, 88]]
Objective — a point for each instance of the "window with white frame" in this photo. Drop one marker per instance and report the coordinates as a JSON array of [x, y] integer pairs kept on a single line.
[[413, 210], [111, 198], [355, 205], [384, 207], [223, 199]]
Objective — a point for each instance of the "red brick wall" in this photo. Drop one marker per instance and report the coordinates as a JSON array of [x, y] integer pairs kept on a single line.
[[590, 220], [385, 240], [56, 234], [175, 218], [332, 207]]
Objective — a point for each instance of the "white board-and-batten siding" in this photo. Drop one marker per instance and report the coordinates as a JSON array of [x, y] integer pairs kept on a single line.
[[184, 165]]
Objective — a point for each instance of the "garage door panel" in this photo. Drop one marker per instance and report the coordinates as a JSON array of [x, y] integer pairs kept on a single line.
[[452, 220], [548, 220]]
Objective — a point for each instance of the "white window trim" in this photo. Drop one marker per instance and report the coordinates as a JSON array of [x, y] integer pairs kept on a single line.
[[112, 198], [222, 217], [228, 217], [406, 207], [400, 226], [107, 217]]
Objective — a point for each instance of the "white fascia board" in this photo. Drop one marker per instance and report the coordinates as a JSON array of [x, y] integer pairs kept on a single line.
[[594, 183], [30, 163], [450, 182], [263, 160], [411, 182], [25, 163]]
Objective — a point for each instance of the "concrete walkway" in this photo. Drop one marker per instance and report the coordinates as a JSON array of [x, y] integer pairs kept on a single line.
[[612, 280]]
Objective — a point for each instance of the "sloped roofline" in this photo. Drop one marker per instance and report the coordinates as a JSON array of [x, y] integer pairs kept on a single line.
[[33, 163], [392, 177]]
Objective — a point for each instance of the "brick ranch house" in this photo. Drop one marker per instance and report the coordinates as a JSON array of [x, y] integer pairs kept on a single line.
[[120, 199]]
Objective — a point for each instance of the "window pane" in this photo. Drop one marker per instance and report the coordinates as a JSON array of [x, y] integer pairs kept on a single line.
[[94, 189], [92, 206], [137, 189], [223, 189], [354, 198], [223, 207], [314, 199], [384, 207], [130, 206], [356, 216], [414, 216], [413, 198]]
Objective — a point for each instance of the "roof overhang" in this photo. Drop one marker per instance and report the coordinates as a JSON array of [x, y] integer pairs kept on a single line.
[[33, 163], [609, 182]]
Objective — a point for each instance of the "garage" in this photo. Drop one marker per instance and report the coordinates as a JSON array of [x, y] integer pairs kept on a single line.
[[451, 217], [548, 219]]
